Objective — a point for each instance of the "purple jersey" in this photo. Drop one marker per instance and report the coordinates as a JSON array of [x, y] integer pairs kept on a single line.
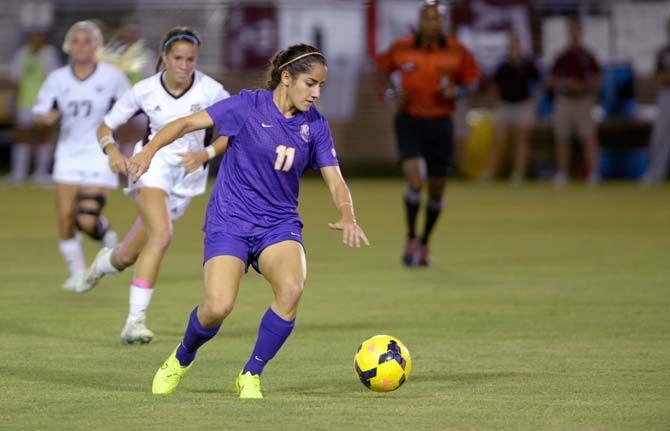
[[259, 179]]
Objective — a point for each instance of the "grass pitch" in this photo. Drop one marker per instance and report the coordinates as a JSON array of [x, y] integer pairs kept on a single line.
[[544, 310]]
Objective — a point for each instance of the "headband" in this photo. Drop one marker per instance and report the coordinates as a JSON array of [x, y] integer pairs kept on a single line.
[[181, 36], [299, 57]]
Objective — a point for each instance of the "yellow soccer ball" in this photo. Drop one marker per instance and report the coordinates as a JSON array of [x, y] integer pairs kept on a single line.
[[382, 363]]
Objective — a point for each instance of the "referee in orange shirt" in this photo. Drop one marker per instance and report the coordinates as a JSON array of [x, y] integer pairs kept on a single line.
[[435, 69]]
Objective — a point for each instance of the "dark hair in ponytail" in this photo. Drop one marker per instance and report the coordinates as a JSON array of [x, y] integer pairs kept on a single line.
[[175, 34], [288, 60]]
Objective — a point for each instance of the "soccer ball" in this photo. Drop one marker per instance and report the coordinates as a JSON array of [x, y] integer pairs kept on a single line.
[[382, 363]]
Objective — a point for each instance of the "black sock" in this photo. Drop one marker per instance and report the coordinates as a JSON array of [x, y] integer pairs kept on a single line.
[[412, 204], [433, 210]]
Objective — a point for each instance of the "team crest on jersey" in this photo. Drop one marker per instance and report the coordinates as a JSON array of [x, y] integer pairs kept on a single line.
[[195, 107], [304, 132], [408, 66]]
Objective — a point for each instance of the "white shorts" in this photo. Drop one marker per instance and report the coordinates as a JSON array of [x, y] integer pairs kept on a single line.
[[516, 114], [179, 185], [84, 171]]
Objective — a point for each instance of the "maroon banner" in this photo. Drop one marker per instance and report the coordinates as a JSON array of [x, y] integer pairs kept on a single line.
[[251, 36]]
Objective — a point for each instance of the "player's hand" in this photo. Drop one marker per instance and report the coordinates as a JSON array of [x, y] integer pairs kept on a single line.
[[449, 92], [139, 164], [192, 161], [401, 99], [352, 234], [117, 161], [51, 117]]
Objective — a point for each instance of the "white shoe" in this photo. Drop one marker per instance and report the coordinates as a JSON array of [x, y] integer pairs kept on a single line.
[[91, 277], [593, 180], [41, 179], [109, 240], [560, 180], [72, 282], [136, 332]]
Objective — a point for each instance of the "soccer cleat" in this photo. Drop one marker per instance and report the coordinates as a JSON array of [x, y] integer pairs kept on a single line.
[[91, 276], [72, 282], [409, 256], [424, 255], [136, 331], [249, 385], [169, 375], [109, 240]]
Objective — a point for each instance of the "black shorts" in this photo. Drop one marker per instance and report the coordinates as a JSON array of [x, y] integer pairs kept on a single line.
[[427, 138]]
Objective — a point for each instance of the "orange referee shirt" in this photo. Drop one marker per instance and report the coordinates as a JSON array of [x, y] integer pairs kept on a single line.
[[425, 69]]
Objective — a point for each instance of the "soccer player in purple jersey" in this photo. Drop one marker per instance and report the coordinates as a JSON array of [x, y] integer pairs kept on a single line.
[[274, 135]]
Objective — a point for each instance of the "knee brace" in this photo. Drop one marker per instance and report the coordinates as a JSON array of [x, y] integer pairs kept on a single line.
[[93, 206]]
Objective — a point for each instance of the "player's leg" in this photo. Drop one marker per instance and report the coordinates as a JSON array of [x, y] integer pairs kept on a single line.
[[439, 153], [20, 155], [112, 261], [659, 145], [414, 173], [42, 137], [521, 152], [153, 206], [222, 282], [413, 168], [436, 186], [89, 219], [70, 243], [562, 127], [588, 135], [499, 135], [284, 266]]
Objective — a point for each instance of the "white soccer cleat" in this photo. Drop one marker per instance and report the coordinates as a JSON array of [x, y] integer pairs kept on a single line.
[[91, 277], [136, 332], [72, 282], [109, 240]]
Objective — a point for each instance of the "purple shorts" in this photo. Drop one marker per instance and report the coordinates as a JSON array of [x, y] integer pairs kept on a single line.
[[248, 248]]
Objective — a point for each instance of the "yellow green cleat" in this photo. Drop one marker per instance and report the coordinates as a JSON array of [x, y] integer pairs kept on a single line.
[[249, 386], [169, 375]]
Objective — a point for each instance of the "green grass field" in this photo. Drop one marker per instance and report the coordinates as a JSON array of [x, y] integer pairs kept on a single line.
[[544, 310]]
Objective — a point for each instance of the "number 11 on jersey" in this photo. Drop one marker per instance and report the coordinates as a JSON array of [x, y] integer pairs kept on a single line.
[[285, 156]]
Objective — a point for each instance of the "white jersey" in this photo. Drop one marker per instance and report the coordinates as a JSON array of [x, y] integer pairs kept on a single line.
[[151, 97], [83, 104]]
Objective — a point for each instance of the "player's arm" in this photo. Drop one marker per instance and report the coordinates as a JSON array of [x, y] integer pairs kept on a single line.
[[125, 107], [117, 161], [467, 79], [174, 130], [193, 160], [352, 234], [385, 66], [44, 111]]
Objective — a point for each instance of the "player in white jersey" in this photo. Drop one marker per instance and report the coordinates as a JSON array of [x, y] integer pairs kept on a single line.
[[80, 95], [175, 176]]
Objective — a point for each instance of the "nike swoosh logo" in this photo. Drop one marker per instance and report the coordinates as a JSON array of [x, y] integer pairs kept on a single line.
[[294, 234], [258, 359], [266, 125]]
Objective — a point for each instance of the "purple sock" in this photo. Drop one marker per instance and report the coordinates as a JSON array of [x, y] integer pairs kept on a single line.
[[196, 335], [272, 334]]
